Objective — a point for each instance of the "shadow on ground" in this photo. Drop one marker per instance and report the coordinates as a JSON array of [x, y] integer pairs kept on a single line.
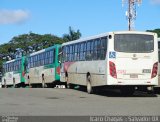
[[115, 92]]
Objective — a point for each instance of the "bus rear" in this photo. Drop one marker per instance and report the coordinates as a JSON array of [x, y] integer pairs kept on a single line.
[[133, 59]]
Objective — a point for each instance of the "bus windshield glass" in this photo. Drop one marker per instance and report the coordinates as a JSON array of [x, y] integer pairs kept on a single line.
[[134, 43]]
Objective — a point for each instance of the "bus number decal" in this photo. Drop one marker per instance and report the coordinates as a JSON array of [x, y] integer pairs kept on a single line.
[[121, 71], [112, 54]]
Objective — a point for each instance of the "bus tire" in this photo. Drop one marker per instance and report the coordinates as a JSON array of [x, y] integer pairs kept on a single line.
[[29, 83], [14, 83], [43, 81], [89, 86], [5, 84], [68, 86]]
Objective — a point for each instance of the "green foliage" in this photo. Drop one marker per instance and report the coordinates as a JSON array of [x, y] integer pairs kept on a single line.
[[72, 35], [36, 41], [155, 31], [31, 39]]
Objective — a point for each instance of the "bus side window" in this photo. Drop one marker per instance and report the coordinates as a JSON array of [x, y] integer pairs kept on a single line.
[[73, 52], [43, 58], [63, 54], [75, 55], [84, 51], [78, 52], [14, 66], [3, 69], [33, 61], [50, 57], [40, 59], [92, 50], [70, 53], [103, 48], [67, 49], [88, 54], [81, 51], [98, 49], [95, 49]]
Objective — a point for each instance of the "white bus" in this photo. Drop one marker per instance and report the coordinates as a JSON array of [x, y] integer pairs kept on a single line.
[[7, 78], [14, 72], [124, 60], [43, 67]]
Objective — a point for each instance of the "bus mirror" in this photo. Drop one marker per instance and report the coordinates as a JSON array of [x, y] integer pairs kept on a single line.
[[60, 62]]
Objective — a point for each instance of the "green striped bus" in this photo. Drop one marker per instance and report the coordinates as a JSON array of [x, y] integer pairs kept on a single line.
[[43, 67], [14, 72]]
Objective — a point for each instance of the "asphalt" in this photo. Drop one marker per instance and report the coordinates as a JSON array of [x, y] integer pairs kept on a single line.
[[70, 102]]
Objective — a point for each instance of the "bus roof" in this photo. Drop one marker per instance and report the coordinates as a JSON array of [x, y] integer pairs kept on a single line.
[[11, 61], [106, 34], [43, 50]]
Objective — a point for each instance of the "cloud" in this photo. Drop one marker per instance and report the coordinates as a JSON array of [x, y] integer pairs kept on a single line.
[[155, 2], [13, 16]]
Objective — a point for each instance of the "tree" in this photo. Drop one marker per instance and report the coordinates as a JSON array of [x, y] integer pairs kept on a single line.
[[27, 43], [72, 35], [155, 31], [34, 41]]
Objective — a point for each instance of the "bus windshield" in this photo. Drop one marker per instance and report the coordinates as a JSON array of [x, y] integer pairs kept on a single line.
[[134, 43]]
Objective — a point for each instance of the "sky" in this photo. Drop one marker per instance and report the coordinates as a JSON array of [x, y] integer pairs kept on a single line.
[[89, 16]]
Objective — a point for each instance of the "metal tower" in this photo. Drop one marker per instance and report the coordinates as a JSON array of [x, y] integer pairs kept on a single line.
[[131, 12]]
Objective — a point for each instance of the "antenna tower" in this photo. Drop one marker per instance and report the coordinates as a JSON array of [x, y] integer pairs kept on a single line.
[[131, 13]]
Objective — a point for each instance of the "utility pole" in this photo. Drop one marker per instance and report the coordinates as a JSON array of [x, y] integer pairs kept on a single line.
[[131, 13]]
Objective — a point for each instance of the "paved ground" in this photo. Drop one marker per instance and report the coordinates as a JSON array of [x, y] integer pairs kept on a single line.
[[52, 102]]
